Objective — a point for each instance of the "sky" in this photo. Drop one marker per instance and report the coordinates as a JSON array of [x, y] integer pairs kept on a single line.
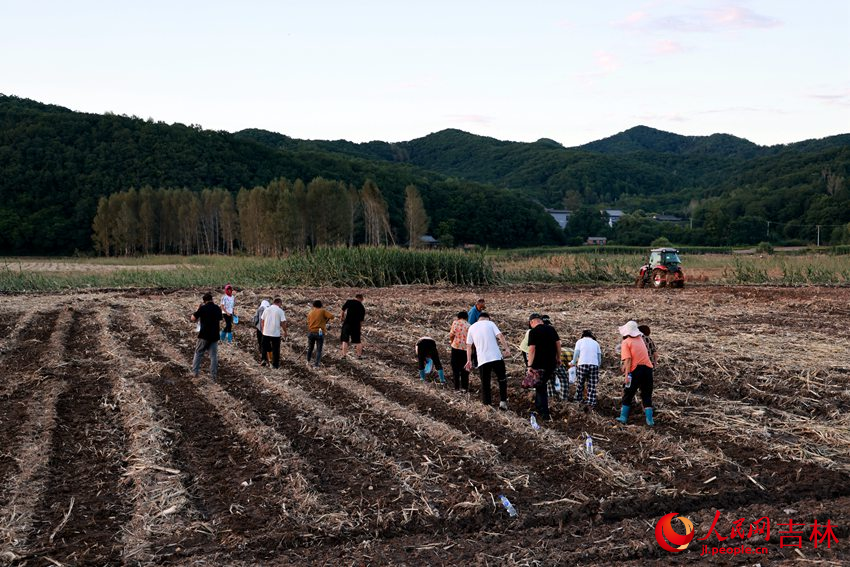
[[771, 71]]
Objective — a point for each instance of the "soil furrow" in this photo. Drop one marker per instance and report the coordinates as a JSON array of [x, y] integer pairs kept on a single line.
[[83, 509], [161, 507]]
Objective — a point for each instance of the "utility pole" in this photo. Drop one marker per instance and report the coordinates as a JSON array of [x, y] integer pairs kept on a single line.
[[818, 236], [768, 229]]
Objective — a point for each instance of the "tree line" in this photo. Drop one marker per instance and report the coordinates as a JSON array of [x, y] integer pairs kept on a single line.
[[265, 221]]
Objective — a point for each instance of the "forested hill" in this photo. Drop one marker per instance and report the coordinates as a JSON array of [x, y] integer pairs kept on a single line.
[[714, 179], [55, 164]]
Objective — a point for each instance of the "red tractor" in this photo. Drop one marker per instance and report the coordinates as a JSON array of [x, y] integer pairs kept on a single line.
[[664, 268]]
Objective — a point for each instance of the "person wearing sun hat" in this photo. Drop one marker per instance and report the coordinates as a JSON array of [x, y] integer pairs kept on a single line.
[[637, 372]]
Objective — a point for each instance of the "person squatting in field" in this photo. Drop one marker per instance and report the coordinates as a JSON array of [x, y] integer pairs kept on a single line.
[[353, 314], [258, 325], [544, 355], [317, 321], [426, 348], [486, 337], [637, 371], [209, 315], [587, 359], [228, 308], [457, 341], [274, 325]]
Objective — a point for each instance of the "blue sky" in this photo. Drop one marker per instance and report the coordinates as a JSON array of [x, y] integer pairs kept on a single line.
[[770, 71]]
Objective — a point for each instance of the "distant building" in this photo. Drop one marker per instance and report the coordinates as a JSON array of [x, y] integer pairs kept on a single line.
[[614, 216], [673, 219], [429, 241], [561, 216], [596, 241]]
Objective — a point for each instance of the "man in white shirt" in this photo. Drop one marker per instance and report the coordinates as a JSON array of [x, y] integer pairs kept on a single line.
[[486, 337], [274, 322], [587, 360]]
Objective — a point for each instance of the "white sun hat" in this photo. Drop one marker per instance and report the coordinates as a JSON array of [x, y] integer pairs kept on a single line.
[[630, 329]]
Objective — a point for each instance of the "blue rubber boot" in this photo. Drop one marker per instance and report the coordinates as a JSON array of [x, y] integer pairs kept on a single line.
[[624, 415], [422, 375], [221, 335], [442, 376], [649, 420], [230, 337]]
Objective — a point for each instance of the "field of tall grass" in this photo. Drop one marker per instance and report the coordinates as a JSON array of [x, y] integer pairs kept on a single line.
[[378, 267], [359, 267]]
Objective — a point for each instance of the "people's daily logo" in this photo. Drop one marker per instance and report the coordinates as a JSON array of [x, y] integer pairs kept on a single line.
[[668, 538]]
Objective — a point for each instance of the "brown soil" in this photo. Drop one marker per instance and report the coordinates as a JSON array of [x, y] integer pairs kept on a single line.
[[751, 398]]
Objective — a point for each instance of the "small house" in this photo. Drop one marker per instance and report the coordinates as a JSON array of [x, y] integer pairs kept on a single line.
[[614, 216], [561, 216]]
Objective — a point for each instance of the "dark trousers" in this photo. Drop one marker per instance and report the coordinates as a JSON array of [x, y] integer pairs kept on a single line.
[[460, 375], [641, 380], [228, 323], [428, 349], [260, 345], [541, 394], [315, 340], [497, 366], [272, 345]]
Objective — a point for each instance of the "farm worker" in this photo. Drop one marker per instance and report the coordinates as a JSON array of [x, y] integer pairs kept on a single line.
[[587, 358], [544, 353], [426, 349], [258, 324], [209, 315], [650, 344], [637, 371], [475, 311], [550, 384], [352, 317], [228, 308], [486, 337], [457, 341], [317, 321], [274, 325]]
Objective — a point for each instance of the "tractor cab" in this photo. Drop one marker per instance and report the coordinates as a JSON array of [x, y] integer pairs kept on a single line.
[[667, 257], [663, 268]]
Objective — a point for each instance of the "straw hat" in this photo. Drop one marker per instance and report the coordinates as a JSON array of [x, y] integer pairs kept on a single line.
[[630, 329]]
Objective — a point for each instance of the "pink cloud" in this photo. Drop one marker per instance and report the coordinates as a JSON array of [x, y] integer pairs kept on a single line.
[[606, 61], [726, 18], [668, 47], [736, 17]]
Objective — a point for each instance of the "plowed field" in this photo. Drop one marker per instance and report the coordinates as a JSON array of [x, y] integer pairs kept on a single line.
[[112, 453]]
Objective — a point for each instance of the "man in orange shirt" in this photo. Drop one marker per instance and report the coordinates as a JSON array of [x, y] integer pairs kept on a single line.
[[637, 371], [317, 320]]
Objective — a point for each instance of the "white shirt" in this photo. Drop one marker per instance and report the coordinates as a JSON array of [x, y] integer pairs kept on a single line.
[[272, 318], [587, 352], [227, 303], [483, 335]]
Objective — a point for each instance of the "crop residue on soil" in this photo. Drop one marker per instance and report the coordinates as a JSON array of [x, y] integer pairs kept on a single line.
[[112, 453]]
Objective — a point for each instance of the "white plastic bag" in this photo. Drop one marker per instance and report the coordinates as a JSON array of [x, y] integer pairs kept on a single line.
[[572, 374]]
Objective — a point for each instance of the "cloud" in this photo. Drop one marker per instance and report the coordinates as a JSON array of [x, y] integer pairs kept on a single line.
[[606, 62], [664, 117], [716, 20], [469, 118], [667, 47], [839, 98]]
